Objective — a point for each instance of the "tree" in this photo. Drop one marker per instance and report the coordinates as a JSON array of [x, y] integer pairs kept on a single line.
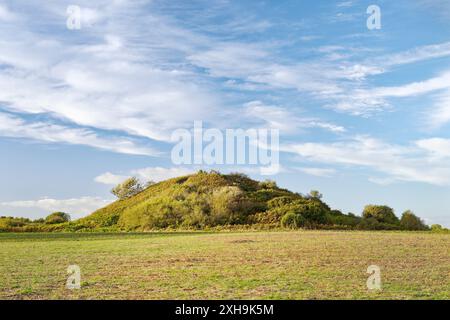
[[436, 227], [383, 214], [439, 228], [314, 194], [57, 217], [303, 213], [292, 220], [226, 205], [410, 221], [127, 189], [268, 184]]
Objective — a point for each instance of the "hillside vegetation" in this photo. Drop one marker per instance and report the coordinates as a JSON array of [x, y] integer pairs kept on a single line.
[[213, 200]]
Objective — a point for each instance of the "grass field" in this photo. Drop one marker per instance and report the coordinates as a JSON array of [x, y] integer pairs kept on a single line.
[[251, 265]]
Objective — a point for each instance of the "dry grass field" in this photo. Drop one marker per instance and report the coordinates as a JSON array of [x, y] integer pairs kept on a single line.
[[247, 265]]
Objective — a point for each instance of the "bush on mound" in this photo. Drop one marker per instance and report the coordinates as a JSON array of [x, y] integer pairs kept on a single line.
[[57, 217], [410, 221]]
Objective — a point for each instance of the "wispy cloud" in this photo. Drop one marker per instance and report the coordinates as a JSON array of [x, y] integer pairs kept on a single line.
[[417, 162], [109, 178], [417, 54], [111, 82], [5, 14], [344, 4], [76, 207], [363, 101], [15, 127], [161, 74], [280, 118], [154, 174], [439, 114], [317, 172]]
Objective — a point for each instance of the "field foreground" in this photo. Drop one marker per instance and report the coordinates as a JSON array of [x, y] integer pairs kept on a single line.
[[251, 265]]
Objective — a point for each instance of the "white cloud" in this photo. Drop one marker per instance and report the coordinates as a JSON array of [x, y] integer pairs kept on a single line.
[[158, 173], [327, 126], [364, 101], [345, 4], [413, 163], [422, 53], [382, 181], [231, 60], [256, 65], [111, 80], [382, 63], [5, 14], [318, 172], [415, 88], [280, 118], [438, 147], [76, 207], [154, 174], [110, 179], [439, 113], [357, 97], [140, 74], [333, 78], [12, 126]]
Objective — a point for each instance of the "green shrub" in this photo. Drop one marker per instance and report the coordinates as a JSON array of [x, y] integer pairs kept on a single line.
[[268, 184], [128, 188], [312, 213], [279, 202], [314, 194], [230, 205], [292, 220], [342, 220], [374, 224], [57, 217], [410, 221], [437, 228], [382, 214]]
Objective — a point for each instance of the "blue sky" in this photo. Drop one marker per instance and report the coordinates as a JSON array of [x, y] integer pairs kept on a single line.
[[364, 115]]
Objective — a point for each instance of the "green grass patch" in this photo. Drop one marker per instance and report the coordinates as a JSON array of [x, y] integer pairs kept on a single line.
[[244, 265]]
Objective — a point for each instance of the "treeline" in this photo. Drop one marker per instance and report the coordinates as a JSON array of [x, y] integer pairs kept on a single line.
[[53, 222], [209, 200]]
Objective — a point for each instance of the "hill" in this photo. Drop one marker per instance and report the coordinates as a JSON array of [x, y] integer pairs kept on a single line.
[[194, 201], [214, 200]]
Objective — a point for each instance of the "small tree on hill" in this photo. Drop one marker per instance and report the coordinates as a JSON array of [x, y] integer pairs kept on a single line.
[[383, 214], [410, 221], [127, 189], [314, 194], [57, 217], [268, 184]]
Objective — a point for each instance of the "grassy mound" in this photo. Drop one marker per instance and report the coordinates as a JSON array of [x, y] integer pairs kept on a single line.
[[213, 200], [195, 201]]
